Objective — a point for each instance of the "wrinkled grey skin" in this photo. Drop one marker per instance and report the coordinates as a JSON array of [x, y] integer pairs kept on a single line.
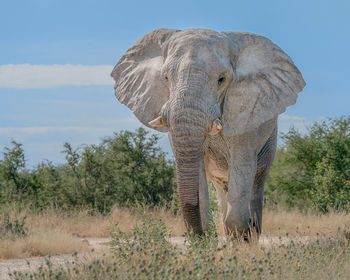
[[218, 95]]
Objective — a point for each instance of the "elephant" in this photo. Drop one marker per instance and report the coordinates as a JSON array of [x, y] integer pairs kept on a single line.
[[218, 96]]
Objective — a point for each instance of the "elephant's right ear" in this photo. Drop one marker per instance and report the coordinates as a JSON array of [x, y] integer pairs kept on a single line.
[[266, 82], [138, 83]]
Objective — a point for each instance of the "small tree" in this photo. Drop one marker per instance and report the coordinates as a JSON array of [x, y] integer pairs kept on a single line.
[[13, 175]]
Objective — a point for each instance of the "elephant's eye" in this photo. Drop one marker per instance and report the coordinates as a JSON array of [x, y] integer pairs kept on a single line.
[[166, 78], [221, 80]]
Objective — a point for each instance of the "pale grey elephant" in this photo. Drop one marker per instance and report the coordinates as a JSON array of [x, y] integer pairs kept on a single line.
[[218, 95]]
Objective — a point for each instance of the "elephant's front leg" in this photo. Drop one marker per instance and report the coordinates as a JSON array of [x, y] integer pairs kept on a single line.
[[265, 159], [242, 172]]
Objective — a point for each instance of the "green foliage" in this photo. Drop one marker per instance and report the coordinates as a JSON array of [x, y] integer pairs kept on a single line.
[[330, 189], [126, 169], [313, 170]]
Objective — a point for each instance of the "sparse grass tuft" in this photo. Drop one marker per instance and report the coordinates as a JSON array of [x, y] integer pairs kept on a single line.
[[12, 227]]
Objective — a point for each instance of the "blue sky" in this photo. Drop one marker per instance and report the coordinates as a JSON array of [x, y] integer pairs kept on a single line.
[[56, 55]]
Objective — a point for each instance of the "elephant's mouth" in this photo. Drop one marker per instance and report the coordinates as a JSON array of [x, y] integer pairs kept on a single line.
[[214, 129]]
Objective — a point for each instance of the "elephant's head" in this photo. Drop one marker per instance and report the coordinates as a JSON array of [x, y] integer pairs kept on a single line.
[[197, 82]]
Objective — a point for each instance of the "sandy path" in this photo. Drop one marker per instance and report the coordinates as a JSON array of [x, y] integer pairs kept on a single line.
[[99, 244]]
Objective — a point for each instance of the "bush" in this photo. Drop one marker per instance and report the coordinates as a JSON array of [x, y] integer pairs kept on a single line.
[[330, 190], [313, 170], [126, 169]]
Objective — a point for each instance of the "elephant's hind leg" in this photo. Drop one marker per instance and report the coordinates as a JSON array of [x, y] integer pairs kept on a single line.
[[264, 162]]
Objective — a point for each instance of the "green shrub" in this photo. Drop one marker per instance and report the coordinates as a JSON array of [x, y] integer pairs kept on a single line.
[[313, 170], [125, 169], [330, 189]]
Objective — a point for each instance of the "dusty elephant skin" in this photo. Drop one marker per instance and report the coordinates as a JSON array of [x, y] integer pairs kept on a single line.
[[218, 95]]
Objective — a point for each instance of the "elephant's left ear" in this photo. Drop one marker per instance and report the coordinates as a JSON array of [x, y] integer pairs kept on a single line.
[[266, 82]]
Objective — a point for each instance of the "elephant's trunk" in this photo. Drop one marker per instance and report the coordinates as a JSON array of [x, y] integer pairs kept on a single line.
[[189, 124], [188, 178]]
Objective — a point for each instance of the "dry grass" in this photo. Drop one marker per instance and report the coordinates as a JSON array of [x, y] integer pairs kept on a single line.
[[83, 224], [53, 232], [79, 224], [296, 223], [40, 243]]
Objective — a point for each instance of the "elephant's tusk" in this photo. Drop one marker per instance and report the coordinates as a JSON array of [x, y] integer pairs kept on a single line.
[[217, 124], [216, 127], [157, 122]]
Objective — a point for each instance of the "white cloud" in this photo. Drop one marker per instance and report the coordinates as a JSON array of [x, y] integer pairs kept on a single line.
[[288, 117], [101, 128], [12, 131], [44, 76], [83, 132]]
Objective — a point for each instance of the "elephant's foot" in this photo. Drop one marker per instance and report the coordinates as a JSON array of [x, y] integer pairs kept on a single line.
[[248, 234]]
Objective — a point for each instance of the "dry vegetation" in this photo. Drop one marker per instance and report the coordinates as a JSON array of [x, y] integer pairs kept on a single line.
[[40, 243], [295, 223], [145, 253], [53, 232]]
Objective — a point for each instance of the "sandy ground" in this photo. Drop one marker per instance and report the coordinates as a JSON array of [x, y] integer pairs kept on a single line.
[[97, 245]]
